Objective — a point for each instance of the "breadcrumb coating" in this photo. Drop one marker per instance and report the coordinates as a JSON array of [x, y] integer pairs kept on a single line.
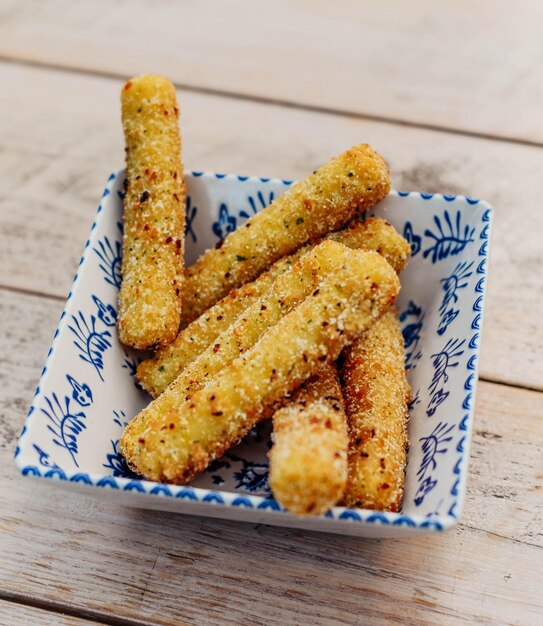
[[308, 461], [154, 215], [303, 474], [156, 373], [345, 186], [175, 437], [375, 234], [288, 290], [376, 395]]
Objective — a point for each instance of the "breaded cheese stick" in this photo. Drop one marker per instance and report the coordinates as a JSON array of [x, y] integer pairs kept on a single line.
[[302, 475], [376, 395], [175, 438], [156, 373], [154, 214], [288, 290], [345, 186], [308, 461]]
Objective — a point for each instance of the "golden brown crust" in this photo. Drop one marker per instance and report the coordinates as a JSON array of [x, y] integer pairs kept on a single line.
[[154, 214], [376, 234], [345, 186], [308, 467], [288, 290], [157, 373], [308, 461], [376, 395], [174, 438]]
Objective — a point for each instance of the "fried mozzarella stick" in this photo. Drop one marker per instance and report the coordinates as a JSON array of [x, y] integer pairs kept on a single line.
[[308, 462], [376, 395], [346, 185], [175, 437], [289, 290], [156, 373], [303, 477], [154, 214]]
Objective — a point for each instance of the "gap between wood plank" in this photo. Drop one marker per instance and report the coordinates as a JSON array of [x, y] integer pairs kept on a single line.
[[48, 296], [32, 292], [55, 607], [281, 103], [505, 537]]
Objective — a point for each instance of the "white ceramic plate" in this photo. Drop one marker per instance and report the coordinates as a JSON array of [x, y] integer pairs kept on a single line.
[[87, 393]]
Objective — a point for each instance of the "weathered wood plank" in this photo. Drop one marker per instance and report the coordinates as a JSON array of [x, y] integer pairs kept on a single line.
[[19, 615], [63, 137], [160, 568], [458, 65]]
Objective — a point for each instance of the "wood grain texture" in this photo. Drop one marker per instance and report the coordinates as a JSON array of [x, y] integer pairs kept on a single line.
[[56, 158], [159, 568], [460, 65], [14, 614]]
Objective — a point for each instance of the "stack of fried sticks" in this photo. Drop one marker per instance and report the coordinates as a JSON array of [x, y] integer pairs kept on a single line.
[[291, 317]]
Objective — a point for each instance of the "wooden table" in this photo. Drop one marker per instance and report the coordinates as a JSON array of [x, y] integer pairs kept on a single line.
[[451, 94]]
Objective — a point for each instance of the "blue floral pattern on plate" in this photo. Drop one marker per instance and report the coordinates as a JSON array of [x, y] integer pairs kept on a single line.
[[86, 394], [226, 222], [449, 238]]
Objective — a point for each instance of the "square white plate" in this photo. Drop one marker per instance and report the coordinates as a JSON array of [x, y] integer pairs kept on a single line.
[[87, 392]]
